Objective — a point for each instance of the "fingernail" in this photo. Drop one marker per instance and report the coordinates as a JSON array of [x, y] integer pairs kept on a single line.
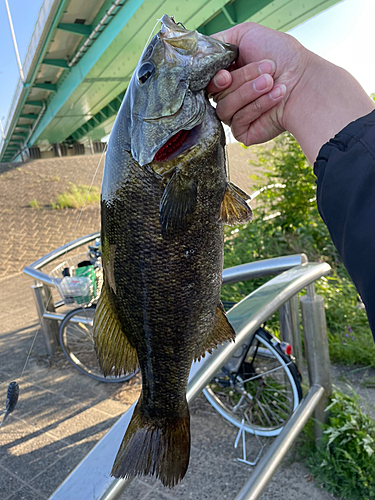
[[222, 79], [267, 67], [262, 82], [278, 91]]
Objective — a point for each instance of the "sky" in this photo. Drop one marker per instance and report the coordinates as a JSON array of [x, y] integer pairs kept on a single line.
[[343, 34], [24, 15]]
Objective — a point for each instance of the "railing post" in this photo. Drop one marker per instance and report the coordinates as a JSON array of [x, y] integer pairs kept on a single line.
[[285, 323], [290, 328], [317, 353], [44, 302]]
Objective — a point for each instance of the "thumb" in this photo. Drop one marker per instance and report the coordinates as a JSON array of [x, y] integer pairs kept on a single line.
[[219, 36]]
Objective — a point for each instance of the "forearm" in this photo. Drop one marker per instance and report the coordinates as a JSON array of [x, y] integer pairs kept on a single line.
[[325, 100]]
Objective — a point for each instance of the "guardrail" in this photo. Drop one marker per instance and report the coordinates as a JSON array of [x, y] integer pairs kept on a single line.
[[42, 291], [46, 308], [91, 479]]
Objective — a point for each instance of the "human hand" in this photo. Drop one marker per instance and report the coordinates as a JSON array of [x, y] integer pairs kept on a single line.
[[256, 114], [316, 98]]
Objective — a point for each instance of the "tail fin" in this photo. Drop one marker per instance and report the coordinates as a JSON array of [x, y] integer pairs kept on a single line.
[[152, 447]]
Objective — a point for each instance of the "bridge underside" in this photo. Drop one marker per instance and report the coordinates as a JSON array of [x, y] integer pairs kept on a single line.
[[80, 61]]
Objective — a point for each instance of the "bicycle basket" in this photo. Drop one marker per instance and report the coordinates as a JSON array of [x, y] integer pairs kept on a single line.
[[77, 284]]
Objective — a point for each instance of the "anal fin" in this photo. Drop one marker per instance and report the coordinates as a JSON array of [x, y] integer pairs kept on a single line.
[[115, 354], [234, 209], [221, 332]]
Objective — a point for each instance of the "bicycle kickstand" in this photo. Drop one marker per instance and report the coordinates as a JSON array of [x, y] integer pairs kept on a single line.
[[242, 433]]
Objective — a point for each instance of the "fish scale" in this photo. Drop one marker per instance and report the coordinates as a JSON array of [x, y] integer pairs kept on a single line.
[[162, 218]]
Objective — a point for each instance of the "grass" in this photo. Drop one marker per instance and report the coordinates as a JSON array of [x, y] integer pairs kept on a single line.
[[76, 197], [34, 204], [343, 462]]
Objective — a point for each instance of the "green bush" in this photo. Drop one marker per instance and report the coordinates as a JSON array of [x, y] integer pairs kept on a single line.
[[286, 221], [349, 336], [344, 461]]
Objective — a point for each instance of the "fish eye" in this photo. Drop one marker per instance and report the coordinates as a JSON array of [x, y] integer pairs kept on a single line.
[[145, 71]]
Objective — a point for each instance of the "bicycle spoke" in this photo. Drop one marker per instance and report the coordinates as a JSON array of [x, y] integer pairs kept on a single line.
[[281, 367], [263, 395]]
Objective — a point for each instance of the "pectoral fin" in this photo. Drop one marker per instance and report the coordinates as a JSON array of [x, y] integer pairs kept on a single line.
[[234, 209], [115, 354], [178, 200], [221, 332]]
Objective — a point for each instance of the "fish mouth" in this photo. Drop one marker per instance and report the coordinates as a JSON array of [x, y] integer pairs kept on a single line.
[[172, 146]]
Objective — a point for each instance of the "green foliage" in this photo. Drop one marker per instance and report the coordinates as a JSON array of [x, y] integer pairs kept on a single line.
[[77, 197], [344, 462], [293, 191], [349, 336], [286, 221], [34, 204]]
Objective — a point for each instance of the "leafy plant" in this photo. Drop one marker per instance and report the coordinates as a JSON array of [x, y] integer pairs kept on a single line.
[[77, 197], [349, 336], [34, 204], [344, 461]]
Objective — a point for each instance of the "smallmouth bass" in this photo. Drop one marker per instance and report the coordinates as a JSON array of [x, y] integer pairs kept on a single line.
[[165, 199]]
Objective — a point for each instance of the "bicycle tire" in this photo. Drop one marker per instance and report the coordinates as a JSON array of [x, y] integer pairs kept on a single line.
[[77, 342], [263, 402]]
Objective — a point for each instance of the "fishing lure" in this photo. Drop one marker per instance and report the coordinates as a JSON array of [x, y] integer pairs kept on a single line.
[[12, 398]]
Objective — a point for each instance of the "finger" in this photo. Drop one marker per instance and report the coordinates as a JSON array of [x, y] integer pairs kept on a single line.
[[232, 35], [261, 131], [247, 125], [247, 74], [237, 77], [222, 36], [220, 81], [245, 96]]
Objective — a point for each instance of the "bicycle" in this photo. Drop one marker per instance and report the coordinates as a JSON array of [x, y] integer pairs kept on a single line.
[[79, 280], [259, 388]]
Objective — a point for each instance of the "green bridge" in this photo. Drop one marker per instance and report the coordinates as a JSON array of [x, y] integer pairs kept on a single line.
[[83, 52]]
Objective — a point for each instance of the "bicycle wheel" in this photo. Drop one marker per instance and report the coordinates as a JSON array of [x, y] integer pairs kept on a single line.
[[265, 392], [77, 342]]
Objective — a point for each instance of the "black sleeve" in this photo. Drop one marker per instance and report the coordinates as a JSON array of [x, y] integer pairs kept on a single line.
[[345, 170]]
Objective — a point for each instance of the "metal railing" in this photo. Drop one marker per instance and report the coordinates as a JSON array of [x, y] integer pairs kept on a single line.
[[46, 308], [91, 479], [42, 291]]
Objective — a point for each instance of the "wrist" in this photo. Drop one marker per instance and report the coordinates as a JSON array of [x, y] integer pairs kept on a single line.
[[323, 102]]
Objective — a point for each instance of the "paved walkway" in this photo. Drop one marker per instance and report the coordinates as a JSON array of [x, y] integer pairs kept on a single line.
[[61, 413], [29, 233]]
